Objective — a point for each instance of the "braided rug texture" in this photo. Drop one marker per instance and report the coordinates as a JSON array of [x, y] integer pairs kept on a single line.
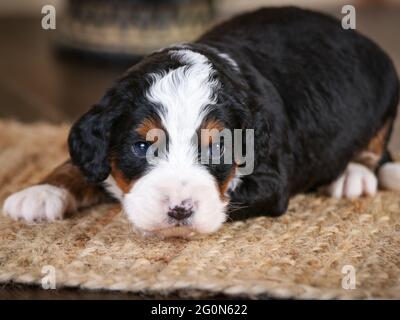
[[298, 255]]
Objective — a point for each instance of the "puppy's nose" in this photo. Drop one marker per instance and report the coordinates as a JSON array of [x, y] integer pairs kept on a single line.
[[182, 211]]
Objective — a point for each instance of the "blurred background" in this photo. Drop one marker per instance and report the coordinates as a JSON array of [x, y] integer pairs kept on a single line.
[[55, 75]]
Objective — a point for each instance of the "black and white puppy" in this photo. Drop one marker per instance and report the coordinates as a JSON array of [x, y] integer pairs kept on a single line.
[[320, 99]]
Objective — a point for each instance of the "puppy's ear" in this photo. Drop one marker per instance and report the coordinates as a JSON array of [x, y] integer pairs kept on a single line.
[[89, 140]]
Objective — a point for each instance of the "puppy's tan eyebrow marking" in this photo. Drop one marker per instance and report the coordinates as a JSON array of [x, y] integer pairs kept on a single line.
[[146, 125], [213, 124]]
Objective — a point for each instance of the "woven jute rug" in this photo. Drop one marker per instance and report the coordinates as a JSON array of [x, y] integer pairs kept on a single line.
[[303, 254]]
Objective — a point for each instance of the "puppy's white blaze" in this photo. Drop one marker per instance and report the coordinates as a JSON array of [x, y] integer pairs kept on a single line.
[[186, 95]]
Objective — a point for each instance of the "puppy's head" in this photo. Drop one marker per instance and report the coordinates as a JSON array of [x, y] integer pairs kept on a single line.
[[164, 101]]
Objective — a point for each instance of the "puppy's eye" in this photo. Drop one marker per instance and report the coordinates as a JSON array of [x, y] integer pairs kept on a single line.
[[140, 148], [216, 150]]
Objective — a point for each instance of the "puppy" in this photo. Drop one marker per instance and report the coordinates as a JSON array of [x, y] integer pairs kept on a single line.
[[319, 100]]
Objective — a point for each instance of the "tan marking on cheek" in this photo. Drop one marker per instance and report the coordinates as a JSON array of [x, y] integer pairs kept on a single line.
[[147, 125], [215, 127], [122, 182], [223, 186]]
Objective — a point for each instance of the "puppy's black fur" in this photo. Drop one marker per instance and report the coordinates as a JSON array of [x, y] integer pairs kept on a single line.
[[314, 93]]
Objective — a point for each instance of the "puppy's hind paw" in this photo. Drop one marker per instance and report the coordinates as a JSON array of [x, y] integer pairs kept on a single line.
[[38, 203], [356, 181]]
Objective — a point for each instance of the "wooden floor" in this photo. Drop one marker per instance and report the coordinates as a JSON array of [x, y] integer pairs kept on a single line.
[[36, 84]]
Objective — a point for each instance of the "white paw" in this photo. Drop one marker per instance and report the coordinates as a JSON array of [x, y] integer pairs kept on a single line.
[[356, 181], [37, 203], [389, 176]]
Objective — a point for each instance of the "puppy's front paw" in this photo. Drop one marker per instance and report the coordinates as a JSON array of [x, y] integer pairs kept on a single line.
[[356, 181], [38, 203]]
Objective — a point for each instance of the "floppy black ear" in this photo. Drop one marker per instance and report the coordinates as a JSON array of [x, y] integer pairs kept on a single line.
[[89, 140]]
